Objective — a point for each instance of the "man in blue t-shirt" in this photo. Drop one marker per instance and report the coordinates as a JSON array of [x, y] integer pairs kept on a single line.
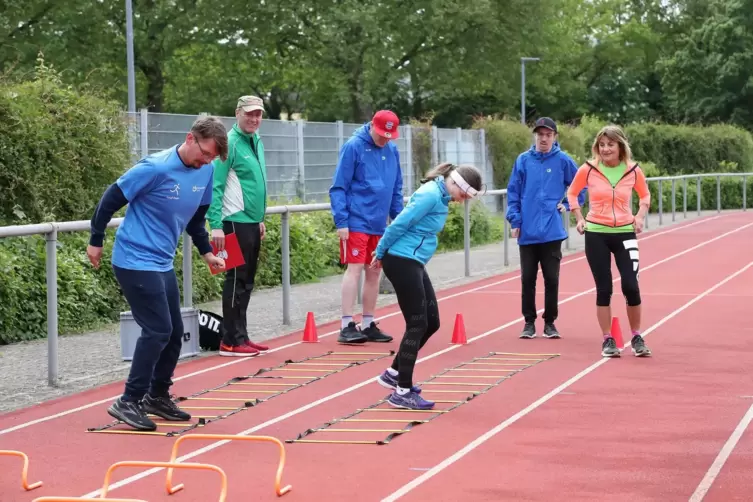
[[166, 193]]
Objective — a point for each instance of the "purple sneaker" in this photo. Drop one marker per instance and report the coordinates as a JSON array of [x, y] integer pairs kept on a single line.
[[411, 400], [390, 382]]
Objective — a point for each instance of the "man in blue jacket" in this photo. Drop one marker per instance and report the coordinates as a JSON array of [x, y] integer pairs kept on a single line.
[[366, 189], [536, 198]]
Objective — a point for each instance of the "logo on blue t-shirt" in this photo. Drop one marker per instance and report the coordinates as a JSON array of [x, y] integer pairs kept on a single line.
[[176, 191]]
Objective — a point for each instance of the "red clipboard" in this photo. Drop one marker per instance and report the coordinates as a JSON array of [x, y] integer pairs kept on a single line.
[[231, 254]]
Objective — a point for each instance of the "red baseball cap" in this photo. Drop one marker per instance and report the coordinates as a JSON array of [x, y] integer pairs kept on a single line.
[[385, 124]]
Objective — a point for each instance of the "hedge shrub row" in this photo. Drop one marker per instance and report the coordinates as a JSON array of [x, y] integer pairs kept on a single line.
[[58, 149], [671, 149], [89, 298]]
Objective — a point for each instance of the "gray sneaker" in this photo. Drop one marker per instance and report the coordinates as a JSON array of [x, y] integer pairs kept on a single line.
[[639, 347], [609, 348], [529, 331], [550, 331], [131, 413]]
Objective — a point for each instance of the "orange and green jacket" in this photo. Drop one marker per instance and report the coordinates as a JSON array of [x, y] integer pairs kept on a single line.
[[609, 200]]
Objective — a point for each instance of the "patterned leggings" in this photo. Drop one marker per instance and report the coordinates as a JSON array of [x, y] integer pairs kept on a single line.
[[418, 302], [600, 246]]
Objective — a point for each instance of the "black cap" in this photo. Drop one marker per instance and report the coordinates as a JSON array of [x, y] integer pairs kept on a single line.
[[545, 122]]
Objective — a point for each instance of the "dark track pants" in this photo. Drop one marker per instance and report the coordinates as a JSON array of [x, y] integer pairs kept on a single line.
[[418, 303], [549, 256], [239, 282], [154, 299]]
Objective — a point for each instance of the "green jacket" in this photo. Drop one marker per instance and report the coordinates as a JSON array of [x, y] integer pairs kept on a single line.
[[239, 193]]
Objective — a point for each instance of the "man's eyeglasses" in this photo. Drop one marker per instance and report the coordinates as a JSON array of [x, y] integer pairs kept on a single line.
[[207, 155]]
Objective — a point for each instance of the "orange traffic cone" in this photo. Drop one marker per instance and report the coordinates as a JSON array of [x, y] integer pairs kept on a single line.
[[309, 332], [617, 332], [458, 332]]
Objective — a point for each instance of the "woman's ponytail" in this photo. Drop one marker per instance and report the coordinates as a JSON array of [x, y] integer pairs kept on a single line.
[[441, 171]]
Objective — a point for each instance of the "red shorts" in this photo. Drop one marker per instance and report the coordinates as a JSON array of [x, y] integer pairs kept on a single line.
[[358, 248]]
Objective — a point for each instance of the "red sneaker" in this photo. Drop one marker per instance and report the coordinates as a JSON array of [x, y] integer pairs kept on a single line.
[[238, 350], [256, 346]]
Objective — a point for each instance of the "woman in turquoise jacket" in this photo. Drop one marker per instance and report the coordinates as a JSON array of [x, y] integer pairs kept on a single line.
[[404, 250]]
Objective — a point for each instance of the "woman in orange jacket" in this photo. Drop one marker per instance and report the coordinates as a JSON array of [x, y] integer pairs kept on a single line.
[[610, 229]]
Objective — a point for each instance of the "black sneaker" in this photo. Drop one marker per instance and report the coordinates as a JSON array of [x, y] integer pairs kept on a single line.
[[351, 334], [529, 331], [639, 347], [374, 334], [131, 413], [609, 348], [550, 331], [165, 408]]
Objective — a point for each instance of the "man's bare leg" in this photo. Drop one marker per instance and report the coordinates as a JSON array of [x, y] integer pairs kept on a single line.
[[350, 290], [370, 292], [348, 331]]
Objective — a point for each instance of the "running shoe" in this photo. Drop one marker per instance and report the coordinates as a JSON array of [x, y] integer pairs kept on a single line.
[[410, 401]]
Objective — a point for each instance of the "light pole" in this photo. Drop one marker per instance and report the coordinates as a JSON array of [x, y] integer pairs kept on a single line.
[[129, 55], [523, 61]]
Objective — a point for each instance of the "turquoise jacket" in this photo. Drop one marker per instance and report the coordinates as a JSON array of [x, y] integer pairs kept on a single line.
[[413, 234]]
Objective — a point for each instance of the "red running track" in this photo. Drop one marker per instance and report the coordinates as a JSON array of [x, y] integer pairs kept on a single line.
[[575, 427]]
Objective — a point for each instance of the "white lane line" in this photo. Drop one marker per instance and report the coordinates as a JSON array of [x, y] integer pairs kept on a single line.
[[724, 453], [405, 489]]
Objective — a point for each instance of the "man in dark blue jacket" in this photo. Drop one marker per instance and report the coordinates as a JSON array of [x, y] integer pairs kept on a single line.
[[536, 198], [366, 189]]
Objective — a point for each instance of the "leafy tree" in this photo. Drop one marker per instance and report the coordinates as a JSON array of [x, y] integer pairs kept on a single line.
[[709, 78]]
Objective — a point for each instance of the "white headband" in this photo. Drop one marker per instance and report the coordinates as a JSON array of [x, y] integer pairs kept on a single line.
[[464, 186]]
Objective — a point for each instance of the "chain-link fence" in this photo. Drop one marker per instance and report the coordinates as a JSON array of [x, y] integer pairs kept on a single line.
[[301, 156]]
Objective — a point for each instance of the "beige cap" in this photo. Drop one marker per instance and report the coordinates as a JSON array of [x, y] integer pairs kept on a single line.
[[250, 103]]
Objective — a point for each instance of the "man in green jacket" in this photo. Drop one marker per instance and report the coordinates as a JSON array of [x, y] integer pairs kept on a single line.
[[239, 202]]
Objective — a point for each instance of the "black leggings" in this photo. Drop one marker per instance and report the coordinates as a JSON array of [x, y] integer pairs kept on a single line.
[[600, 247], [417, 301]]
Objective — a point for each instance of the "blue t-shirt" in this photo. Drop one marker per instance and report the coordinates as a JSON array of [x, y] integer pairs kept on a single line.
[[163, 195]]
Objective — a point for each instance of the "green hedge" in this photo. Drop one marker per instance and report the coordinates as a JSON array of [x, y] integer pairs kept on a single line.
[[58, 149], [86, 297], [684, 149], [672, 149]]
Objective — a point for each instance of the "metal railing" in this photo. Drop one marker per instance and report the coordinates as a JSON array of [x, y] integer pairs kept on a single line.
[[51, 230], [685, 178]]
